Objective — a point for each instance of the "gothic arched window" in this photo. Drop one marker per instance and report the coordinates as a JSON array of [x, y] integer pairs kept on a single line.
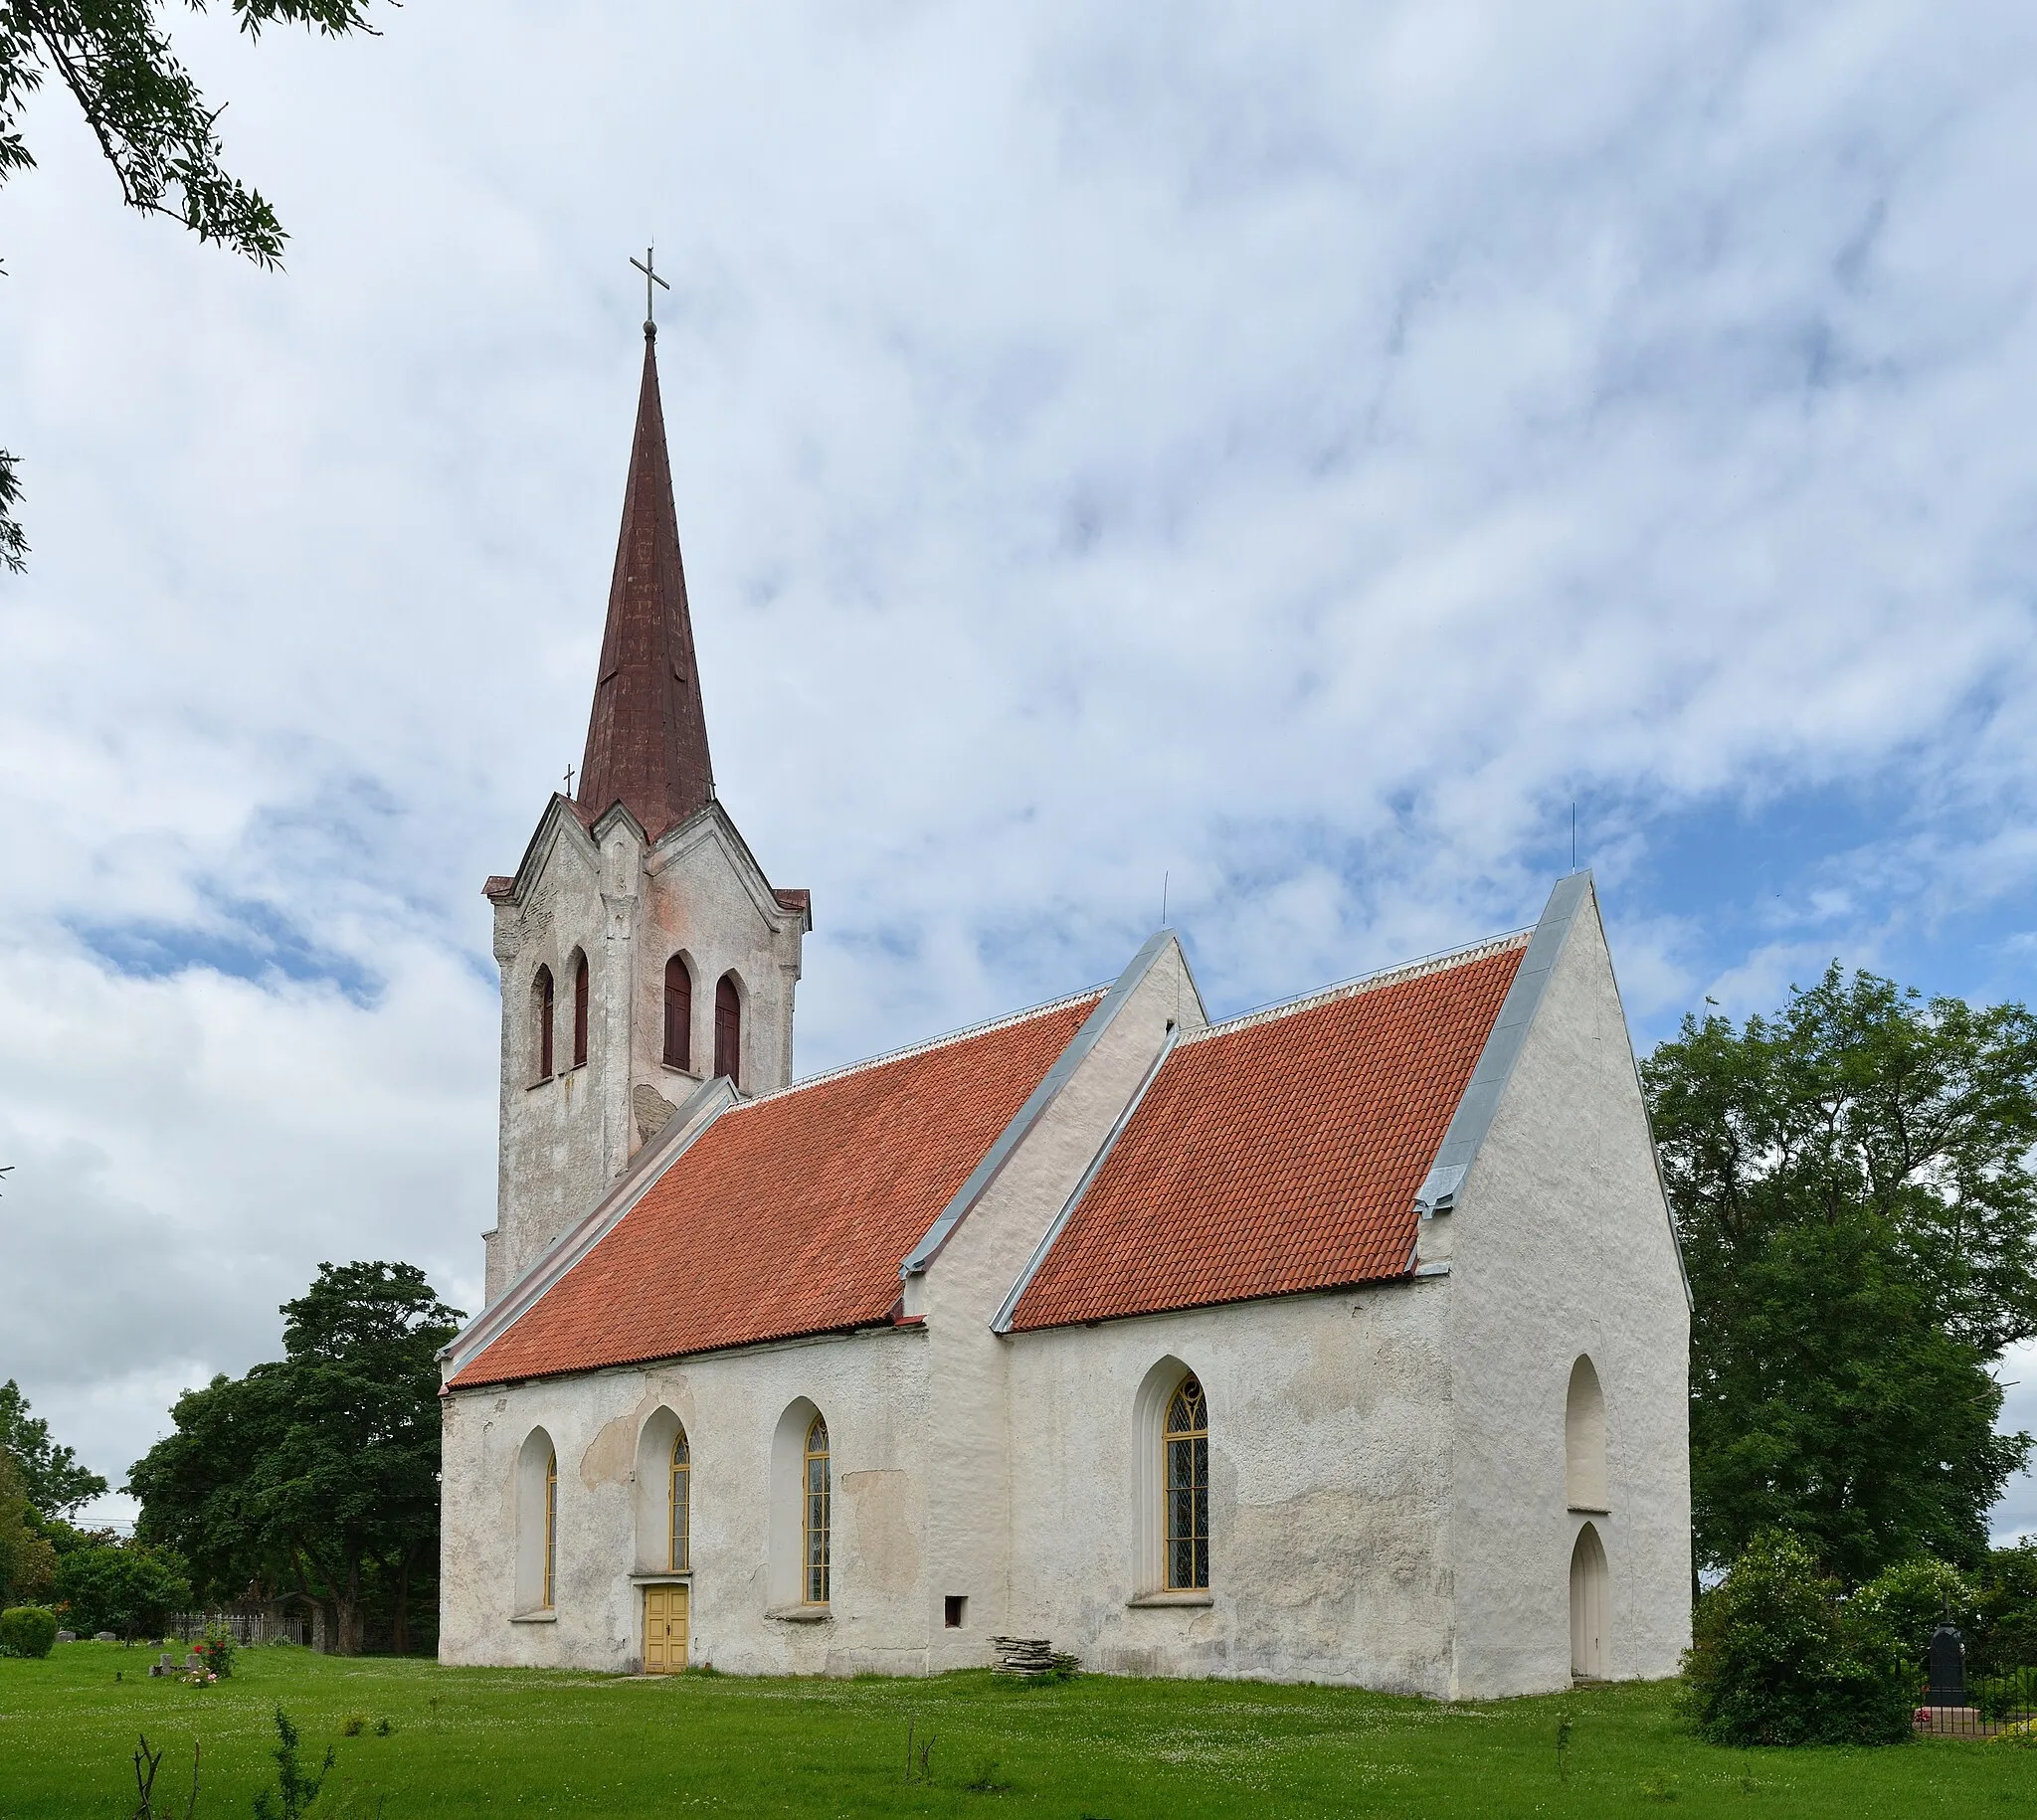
[[580, 1011], [816, 1515], [551, 1526], [728, 1030], [681, 1501], [1186, 1442], [678, 1013], [541, 1015]]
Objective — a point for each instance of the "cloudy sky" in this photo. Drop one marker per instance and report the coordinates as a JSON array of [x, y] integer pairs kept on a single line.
[[1296, 453]]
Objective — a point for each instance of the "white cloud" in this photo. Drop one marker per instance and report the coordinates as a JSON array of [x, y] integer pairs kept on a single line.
[[1298, 452]]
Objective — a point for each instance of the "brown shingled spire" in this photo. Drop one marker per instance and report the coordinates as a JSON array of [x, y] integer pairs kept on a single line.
[[646, 739]]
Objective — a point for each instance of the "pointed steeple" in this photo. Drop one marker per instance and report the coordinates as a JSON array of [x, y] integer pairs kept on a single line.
[[646, 739]]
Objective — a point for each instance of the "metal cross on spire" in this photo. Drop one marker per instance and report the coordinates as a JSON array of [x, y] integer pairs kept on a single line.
[[647, 265], [569, 780]]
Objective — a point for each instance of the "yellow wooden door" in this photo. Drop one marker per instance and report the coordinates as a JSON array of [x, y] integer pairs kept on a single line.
[[664, 1629]]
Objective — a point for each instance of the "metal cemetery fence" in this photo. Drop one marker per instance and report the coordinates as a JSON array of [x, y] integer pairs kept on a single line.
[[1956, 1704]]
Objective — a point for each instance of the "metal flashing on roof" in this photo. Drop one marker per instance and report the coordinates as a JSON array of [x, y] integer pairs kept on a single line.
[[699, 1110], [1474, 1114], [1398, 974], [1001, 1322], [1042, 1097], [927, 1044]]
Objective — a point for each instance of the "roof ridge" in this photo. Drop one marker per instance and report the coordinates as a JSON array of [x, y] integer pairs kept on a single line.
[[1364, 982], [925, 1045]]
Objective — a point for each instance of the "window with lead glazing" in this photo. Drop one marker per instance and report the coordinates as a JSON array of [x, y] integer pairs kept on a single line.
[[1187, 1444], [551, 1524], [682, 1502], [816, 1515]]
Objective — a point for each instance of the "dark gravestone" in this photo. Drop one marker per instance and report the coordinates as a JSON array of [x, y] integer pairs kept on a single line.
[[1948, 1668]]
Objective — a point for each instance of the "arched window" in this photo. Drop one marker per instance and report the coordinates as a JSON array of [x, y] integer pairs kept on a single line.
[[728, 1030], [815, 1518], [1585, 1440], [541, 1015], [551, 1527], [537, 1522], [1187, 1445], [678, 1013], [680, 1500], [580, 1011]]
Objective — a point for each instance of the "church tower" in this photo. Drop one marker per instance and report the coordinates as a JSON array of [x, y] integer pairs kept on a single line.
[[643, 949]]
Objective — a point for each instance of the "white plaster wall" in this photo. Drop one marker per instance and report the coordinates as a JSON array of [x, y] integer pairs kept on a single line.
[[971, 1460], [1329, 1491], [872, 1390], [565, 1140], [1559, 1246]]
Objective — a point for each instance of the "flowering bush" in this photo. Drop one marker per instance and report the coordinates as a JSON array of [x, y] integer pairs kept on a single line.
[[216, 1650]]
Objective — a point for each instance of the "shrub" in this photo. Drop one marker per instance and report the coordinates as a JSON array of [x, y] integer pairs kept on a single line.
[[27, 1630], [129, 1588], [1778, 1658], [1911, 1599]]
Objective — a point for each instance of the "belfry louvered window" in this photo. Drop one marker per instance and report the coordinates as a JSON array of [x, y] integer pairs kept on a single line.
[[728, 1030], [541, 1013], [580, 1012], [815, 1517], [1186, 1446], [678, 1013]]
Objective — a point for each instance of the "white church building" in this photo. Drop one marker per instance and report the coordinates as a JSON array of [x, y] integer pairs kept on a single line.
[[1345, 1341]]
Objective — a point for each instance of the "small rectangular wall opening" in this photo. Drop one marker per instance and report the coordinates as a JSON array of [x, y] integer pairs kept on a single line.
[[957, 1605]]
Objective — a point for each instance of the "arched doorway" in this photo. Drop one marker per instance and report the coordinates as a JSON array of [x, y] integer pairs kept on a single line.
[[1587, 1606]]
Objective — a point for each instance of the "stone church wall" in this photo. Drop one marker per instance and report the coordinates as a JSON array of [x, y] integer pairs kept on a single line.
[[873, 1391], [1561, 1247], [1329, 1473]]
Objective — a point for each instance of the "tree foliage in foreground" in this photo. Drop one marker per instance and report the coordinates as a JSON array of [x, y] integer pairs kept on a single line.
[[152, 125], [1859, 1223], [320, 1469]]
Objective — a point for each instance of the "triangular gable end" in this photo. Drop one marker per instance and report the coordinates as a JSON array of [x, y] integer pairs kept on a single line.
[[700, 1109]]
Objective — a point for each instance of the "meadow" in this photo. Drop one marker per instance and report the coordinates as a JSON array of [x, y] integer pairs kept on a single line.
[[461, 1742]]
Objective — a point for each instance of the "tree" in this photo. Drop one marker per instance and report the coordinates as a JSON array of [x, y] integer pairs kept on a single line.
[[52, 1479], [27, 1560], [130, 1588], [1849, 1184], [153, 127], [321, 1468]]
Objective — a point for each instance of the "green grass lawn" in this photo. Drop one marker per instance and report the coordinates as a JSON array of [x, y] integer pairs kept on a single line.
[[505, 1741]]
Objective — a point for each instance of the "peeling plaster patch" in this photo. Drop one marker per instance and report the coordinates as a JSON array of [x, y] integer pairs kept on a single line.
[[883, 1527]]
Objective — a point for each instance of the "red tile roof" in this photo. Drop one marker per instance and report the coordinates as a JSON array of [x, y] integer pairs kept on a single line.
[[1277, 1153], [789, 1214]]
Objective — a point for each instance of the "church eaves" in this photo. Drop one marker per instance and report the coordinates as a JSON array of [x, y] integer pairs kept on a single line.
[[647, 738]]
